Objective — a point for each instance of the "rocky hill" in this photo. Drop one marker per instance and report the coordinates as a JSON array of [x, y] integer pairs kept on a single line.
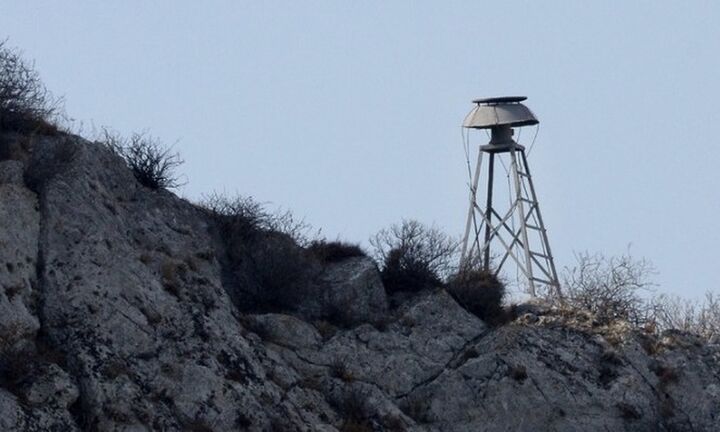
[[117, 314]]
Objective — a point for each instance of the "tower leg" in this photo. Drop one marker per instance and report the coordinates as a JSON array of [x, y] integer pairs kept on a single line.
[[523, 222], [488, 214], [554, 281], [471, 212]]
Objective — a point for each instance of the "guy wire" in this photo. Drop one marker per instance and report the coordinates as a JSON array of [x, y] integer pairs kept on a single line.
[[537, 129]]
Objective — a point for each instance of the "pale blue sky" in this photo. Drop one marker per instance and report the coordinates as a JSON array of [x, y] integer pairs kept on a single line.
[[348, 112]]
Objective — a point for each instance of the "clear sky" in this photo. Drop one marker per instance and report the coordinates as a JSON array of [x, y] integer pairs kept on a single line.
[[349, 112]]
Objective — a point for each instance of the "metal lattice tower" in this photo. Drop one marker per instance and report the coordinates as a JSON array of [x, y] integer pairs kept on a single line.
[[518, 233]]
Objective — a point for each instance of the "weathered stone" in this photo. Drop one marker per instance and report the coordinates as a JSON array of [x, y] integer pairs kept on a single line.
[[19, 226], [12, 416], [354, 292], [53, 385], [286, 330], [122, 293], [11, 172]]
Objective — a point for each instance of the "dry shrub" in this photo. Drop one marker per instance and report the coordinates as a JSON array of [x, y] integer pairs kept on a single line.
[[152, 163], [25, 104], [266, 266], [401, 274], [285, 221], [518, 372], [274, 273], [701, 317], [481, 293], [413, 256], [240, 218], [611, 288], [326, 329], [616, 289], [334, 251], [339, 369]]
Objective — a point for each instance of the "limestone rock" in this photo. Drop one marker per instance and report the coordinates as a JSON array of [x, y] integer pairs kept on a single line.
[[354, 290], [19, 228], [12, 416], [11, 172], [53, 386], [285, 330], [118, 297]]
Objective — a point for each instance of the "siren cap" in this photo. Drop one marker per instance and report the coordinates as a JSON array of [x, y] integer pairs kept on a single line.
[[501, 99], [500, 111]]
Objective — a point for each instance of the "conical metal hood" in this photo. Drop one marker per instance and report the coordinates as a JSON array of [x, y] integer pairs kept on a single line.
[[500, 111]]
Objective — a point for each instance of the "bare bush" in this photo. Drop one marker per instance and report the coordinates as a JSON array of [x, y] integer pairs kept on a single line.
[[620, 288], [480, 293], [699, 317], [242, 216], [611, 288], [334, 251], [271, 271], [414, 256], [274, 273], [284, 221], [25, 103], [239, 217], [152, 163]]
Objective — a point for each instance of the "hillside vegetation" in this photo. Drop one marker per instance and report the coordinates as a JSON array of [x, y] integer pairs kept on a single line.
[[126, 308]]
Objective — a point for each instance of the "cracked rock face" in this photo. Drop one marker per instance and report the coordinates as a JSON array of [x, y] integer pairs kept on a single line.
[[114, 317]]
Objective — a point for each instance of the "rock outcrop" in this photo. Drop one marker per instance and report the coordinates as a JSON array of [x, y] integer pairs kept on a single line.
[[114, 316]]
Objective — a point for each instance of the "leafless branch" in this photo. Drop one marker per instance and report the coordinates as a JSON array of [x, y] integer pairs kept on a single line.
[[418, 244], [24, 100], [152, 163], [701, 317], [612, 288]]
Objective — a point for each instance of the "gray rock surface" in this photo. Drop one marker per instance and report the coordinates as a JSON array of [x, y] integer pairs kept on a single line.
[[353, 289], [19, 227], [114, 317]]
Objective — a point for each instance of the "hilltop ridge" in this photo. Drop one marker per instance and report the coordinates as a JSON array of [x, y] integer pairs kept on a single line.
[[118, 313]]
